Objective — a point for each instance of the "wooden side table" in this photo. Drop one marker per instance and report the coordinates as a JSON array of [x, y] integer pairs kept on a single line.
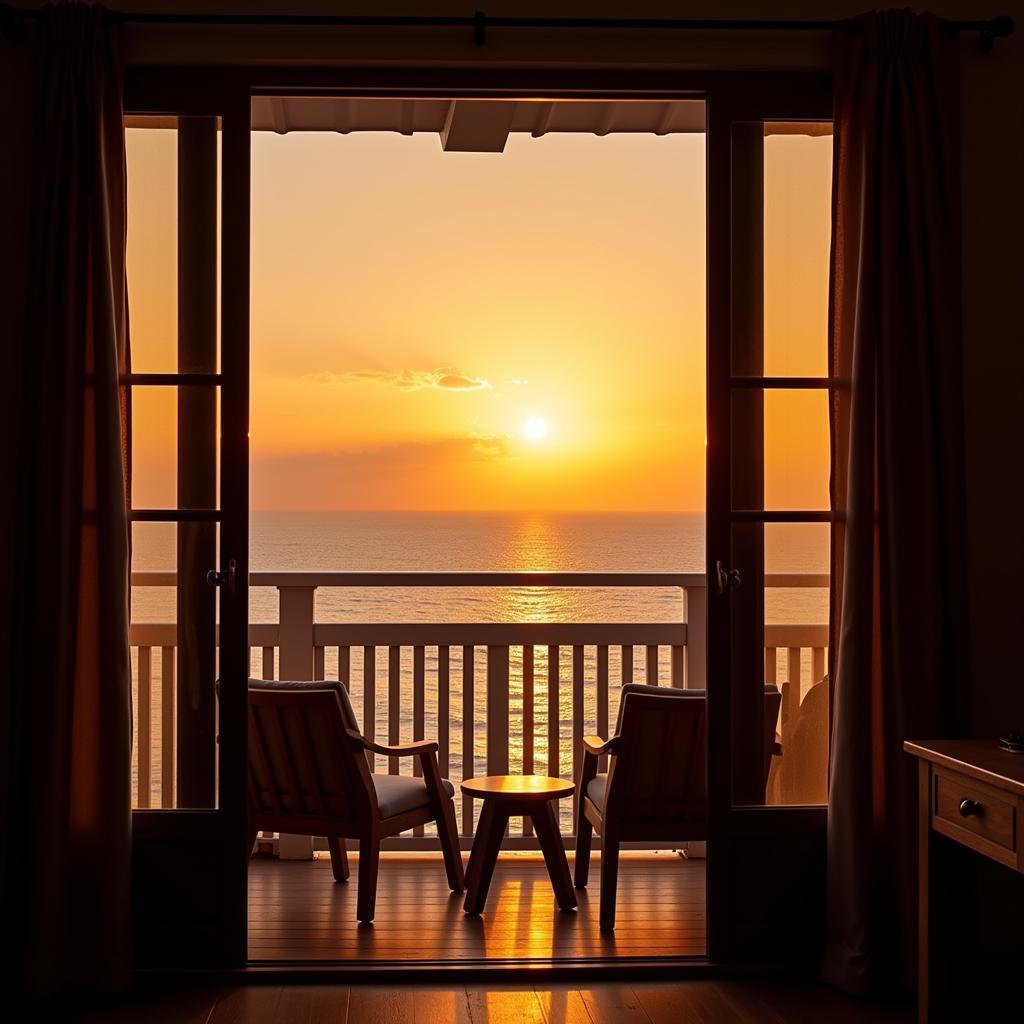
[[972, 792], [503, 796]]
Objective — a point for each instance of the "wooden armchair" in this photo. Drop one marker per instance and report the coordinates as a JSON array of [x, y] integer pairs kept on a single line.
[[654, 789], [308, 775]]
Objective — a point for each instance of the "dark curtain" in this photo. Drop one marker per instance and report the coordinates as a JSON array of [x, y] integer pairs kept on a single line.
[[899, 658], [66, 832]]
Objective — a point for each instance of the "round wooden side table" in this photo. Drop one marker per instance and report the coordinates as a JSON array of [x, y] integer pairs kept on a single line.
[[503, 796]]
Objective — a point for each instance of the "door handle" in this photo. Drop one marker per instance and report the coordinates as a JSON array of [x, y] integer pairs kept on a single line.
[[223, 579], [726, 579]]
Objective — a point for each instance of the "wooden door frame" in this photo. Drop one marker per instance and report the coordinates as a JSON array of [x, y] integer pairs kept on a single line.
[[227, 91], [797, 832], [234, 470], [160, 835]]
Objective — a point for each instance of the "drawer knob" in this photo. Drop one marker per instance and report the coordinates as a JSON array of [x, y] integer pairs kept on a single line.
[[969, 807]]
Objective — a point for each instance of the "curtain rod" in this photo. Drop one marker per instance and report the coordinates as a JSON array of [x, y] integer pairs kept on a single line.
[[988, 29]]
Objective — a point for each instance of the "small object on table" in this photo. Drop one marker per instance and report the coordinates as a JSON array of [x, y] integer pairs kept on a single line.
[[504, 796], [1013, 742]]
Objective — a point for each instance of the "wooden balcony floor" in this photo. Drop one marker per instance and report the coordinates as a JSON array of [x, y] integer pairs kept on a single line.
[[298, 912]]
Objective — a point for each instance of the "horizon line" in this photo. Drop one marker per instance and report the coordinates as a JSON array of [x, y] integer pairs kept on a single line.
[[493, 511]]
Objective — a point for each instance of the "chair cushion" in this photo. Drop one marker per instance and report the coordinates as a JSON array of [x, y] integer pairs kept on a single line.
[[596, 789], [397, 794]]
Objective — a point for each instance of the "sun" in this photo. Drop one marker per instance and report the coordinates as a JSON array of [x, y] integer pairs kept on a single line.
[[535, 429]]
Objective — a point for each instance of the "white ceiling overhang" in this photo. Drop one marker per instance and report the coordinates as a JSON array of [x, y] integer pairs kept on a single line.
[[474, 125]]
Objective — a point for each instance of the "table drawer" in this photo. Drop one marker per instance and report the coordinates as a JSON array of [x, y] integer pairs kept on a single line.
[[970, 808]]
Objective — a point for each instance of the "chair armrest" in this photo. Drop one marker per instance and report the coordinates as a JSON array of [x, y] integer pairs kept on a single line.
[[597, 746], [593, 748], [399, 750], [431, 772]]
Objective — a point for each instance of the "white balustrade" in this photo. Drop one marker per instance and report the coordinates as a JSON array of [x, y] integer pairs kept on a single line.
[[524, 694]]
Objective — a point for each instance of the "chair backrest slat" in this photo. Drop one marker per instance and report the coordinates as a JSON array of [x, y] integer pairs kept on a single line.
[[263, 783], [283, 754], [309, 765], [302, 761]]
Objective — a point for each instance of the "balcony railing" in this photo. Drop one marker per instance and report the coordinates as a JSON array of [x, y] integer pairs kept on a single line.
[[497, 696]]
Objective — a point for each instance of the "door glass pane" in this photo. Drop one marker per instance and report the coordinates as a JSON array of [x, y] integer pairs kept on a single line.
[[154, 447], [781, 454], [780, 686], [169, 471], [173, 654], [796, 616], [797, 236], [173, 237], [152, 639], [796, 450], [781, 236], [151, 151]]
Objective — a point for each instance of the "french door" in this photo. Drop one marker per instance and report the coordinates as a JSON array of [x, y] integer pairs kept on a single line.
[[189, 856], [765, 851], [768, 516]]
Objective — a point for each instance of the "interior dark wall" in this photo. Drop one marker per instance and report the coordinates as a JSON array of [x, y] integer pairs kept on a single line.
[[992, 165], [15, 188], [992, 93]]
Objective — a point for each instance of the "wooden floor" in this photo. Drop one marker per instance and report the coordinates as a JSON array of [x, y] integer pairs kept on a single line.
[[298, 912], [689, 1002]]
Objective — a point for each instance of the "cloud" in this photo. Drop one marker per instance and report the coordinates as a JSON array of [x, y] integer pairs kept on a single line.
[[407, 474], [460, 382], [491, 446], [444, 378], [474, 448]]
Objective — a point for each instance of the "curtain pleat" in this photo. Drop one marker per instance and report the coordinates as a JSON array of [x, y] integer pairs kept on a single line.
[[67, 841], [898, 651]]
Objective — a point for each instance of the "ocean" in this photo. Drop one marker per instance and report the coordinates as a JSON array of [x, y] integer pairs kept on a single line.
[[488, 541]]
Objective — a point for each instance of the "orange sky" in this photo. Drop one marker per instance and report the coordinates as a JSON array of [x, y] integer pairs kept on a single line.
[[412, 309]]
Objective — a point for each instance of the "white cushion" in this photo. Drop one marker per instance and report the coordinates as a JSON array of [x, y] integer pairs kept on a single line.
[[397, 794]]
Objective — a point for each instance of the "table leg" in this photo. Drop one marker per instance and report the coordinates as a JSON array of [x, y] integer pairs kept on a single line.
[[545, 824], [490, 831], [924, 921]]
